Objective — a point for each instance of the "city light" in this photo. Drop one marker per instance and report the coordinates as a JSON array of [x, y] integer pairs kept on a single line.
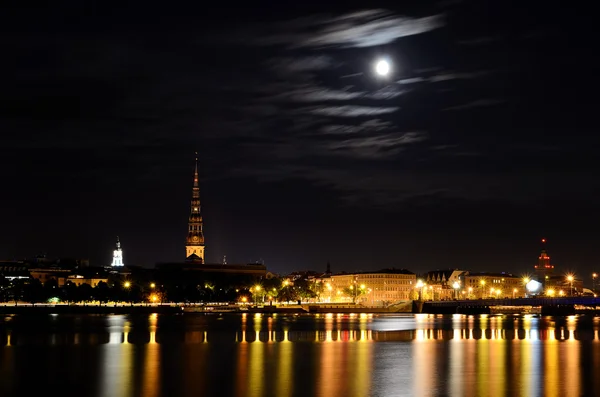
[[152, 285], [127, 284], [570, 278]]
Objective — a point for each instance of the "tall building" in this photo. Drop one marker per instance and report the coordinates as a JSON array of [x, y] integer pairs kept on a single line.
[[118, 255], [194, 269], [544, 269], [194, 248]]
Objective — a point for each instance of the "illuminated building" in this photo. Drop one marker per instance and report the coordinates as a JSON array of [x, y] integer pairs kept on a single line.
[[555, 282], [493, 285], [195, 264], [194, 248], [118, 255], [444, 284], [378, 288], [544, 269]]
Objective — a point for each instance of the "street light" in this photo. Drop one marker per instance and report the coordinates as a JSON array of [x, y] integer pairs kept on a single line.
[[127, 284], [152, 285], [456, 286], [420, 286], [514, 292], [570, 278]]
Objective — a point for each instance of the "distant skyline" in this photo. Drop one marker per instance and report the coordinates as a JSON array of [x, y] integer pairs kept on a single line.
[[482, 141]]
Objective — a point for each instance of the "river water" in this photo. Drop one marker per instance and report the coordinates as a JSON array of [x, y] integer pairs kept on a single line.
[[299, 355]]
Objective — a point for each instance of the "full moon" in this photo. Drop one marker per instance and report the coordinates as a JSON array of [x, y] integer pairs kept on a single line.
[[382, 68]]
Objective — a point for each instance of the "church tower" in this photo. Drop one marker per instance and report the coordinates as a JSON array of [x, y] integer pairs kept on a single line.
[[118, 255], [194, 248]]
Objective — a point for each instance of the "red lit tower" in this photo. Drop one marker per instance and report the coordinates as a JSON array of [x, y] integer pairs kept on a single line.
[[194, 247], [544, 269]]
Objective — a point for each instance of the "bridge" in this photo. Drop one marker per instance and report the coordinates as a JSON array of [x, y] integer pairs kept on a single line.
[[558, 306]]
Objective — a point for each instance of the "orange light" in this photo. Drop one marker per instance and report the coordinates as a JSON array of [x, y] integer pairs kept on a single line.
[[543, 240]]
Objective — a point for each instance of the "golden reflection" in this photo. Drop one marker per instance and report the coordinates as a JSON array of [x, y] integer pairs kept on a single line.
[[361, 378], [551, 363], [257, 362], [571, 385], [329, 369], [285, 376], [126, 329], [483, 362], [423, 356], [153, 320], [8, 341], [151, 376], [497, 367], [457, 363]]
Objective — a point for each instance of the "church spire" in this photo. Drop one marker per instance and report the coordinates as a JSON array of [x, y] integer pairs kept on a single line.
[[195, 240], [196, 174], [118, 255]]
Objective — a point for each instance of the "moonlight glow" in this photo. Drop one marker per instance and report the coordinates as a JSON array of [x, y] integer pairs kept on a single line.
[[382, 68]]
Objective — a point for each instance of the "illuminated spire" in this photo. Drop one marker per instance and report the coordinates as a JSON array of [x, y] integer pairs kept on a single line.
[[196, 173], [195, 239], [118, 255]]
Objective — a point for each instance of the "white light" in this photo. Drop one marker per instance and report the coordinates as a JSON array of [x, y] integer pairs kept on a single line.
[[382, 68], [533, 286]]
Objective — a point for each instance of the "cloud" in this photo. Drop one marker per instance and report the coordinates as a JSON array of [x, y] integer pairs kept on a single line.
[[316, 94], [458, 76], [301, 64], [369, 126], [376, 147], [475, 104], [360, 29], [352, 110]]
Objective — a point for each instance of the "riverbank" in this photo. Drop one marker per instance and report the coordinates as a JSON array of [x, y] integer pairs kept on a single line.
[[179, 308]]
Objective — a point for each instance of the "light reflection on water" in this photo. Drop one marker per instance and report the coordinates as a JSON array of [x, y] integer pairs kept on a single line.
[[325, 355]]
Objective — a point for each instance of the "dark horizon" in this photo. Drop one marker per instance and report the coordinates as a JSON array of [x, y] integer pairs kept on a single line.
[[481, 142]]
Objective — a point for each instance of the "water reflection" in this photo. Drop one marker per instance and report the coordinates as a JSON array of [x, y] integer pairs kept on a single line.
[[258, 355]]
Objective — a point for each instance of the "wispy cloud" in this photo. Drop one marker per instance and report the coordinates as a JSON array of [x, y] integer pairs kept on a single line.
[[369, 126], [352, 110], [376, 147], [301, 63], [360, 29], [458, 76]]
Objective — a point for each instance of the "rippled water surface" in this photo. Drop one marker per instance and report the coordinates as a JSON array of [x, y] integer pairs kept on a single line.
[[299, 355]]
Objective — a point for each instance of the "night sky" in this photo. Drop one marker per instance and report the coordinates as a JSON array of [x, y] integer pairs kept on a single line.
[[482, 141]]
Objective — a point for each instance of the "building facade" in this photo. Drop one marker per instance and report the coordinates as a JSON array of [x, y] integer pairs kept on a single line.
[[492, 285], [380, 288]]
